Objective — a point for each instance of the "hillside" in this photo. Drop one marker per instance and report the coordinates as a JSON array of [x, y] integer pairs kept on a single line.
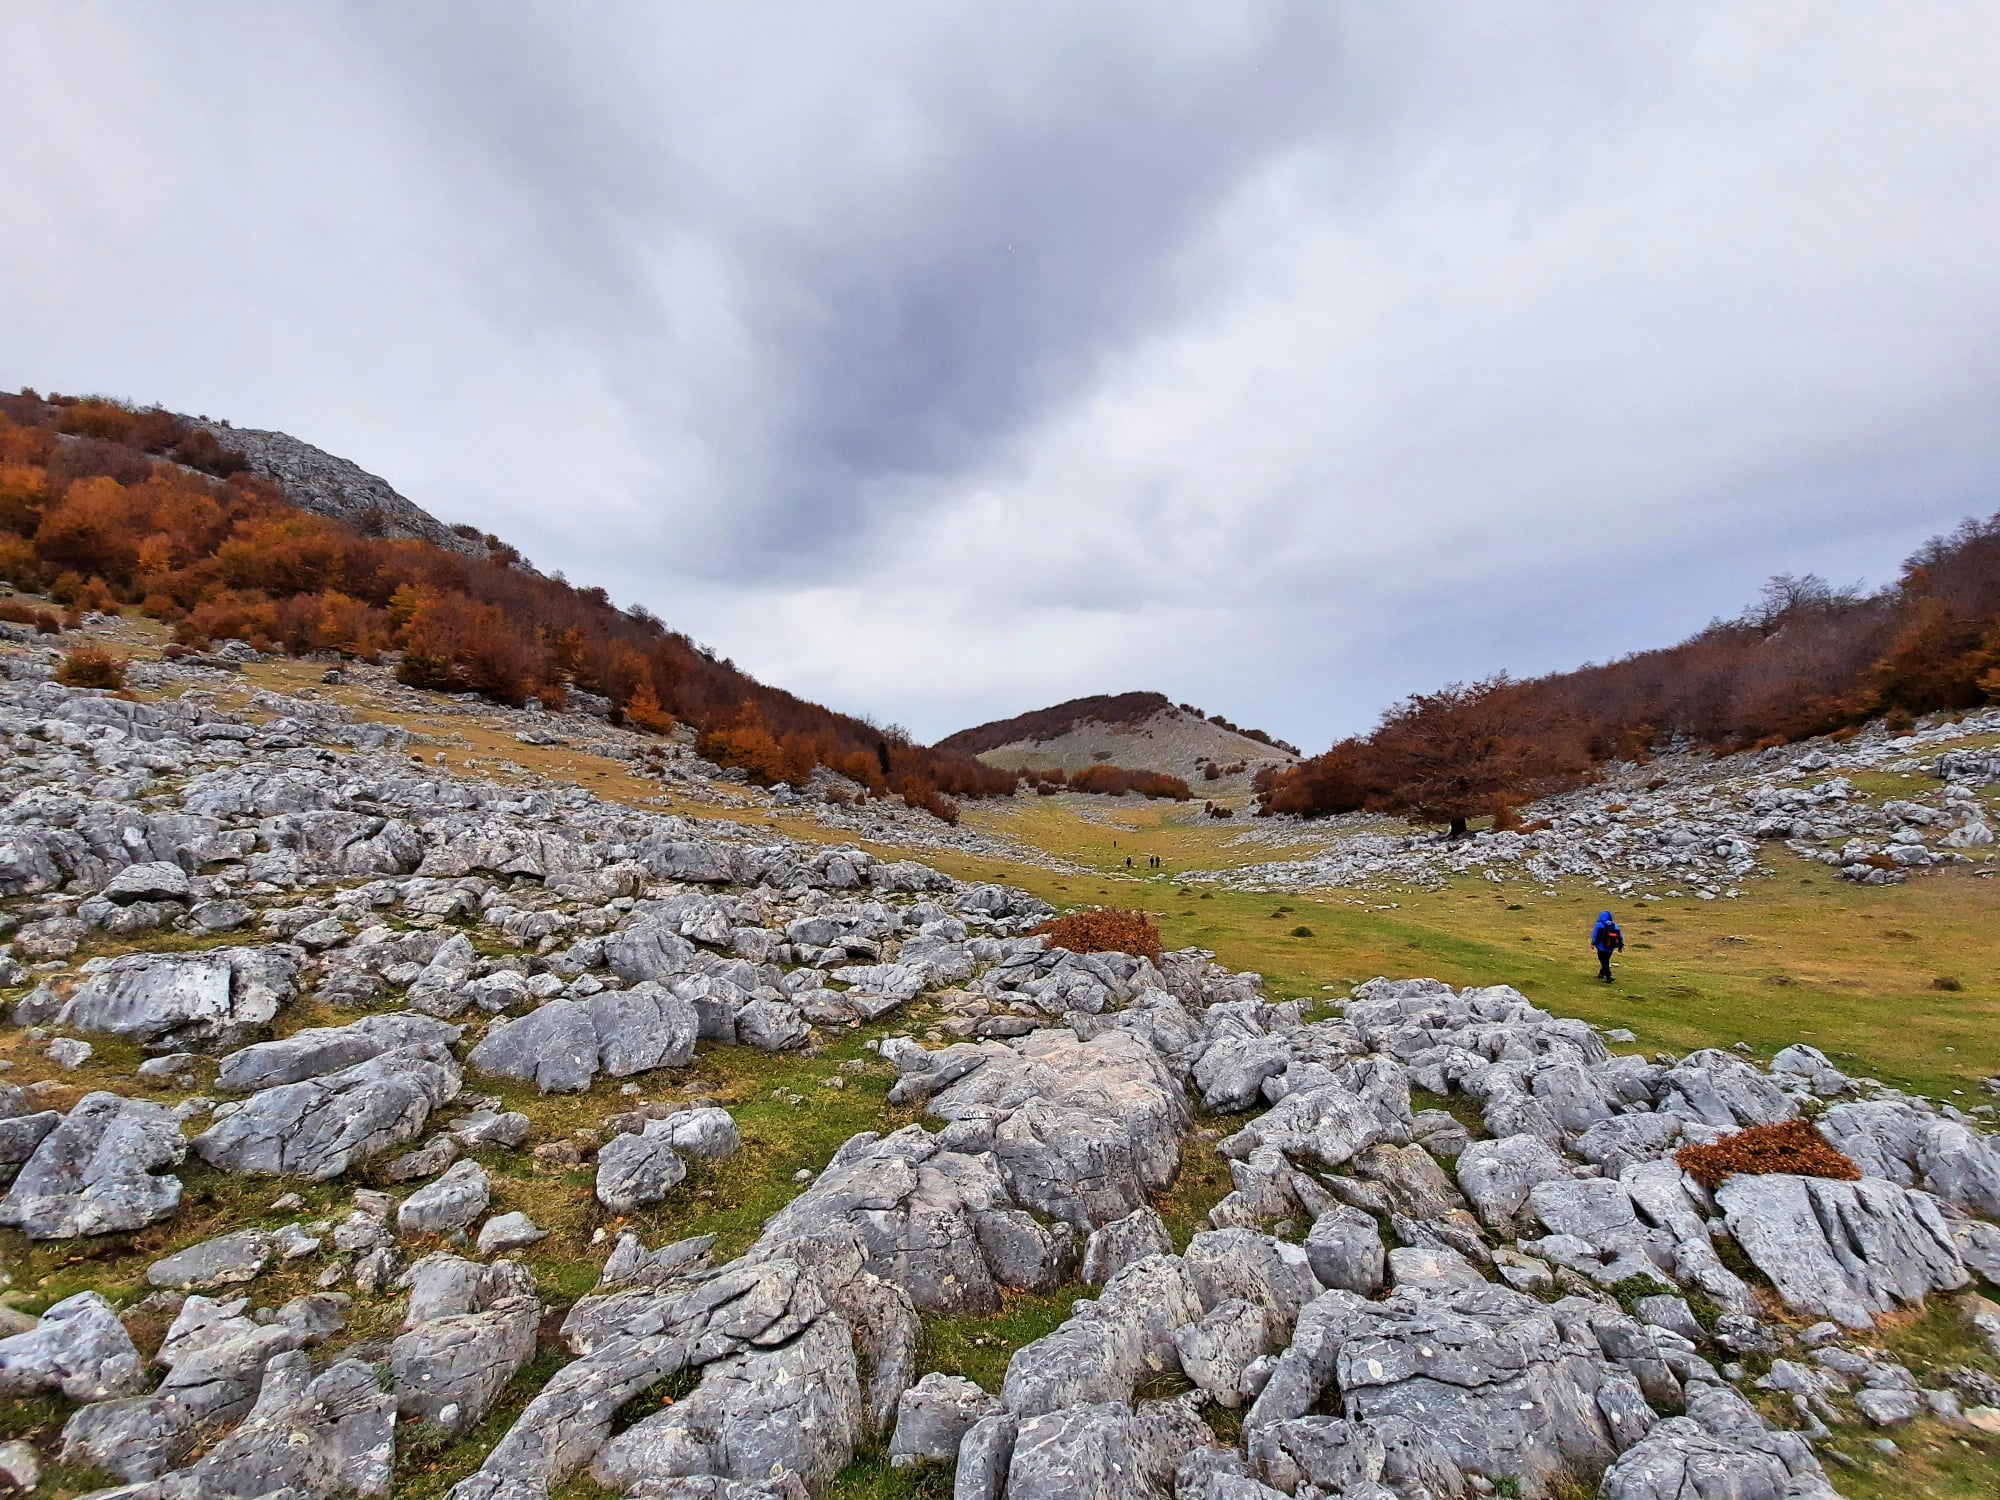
[[1138, 731], [285, 548], [562, 1109], [1806, 659], [339, 489]]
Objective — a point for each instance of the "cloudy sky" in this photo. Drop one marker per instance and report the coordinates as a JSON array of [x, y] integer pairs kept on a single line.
[[941, 361]]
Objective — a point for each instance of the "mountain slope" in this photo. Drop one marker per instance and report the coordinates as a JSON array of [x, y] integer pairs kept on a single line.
[[225, 534], [339, 489], [1139, 731]]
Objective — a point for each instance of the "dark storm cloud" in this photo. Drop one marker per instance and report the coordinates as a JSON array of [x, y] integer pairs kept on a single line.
[[915, 306], [944, 361]]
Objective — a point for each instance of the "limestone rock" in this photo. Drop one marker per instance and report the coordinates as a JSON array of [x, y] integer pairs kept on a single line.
[[635, 1171], [1110, 1249], [1497, 1175], [933, 1417], [791, 1410], [708, 1133], [184, 1001], [1344, 1248], [104, 1169], [228, 1258], [318, 1127], [511, 1231], [449, 1205], [1842, 1250], [79, 1348], [327, 1049], [449, 1366]]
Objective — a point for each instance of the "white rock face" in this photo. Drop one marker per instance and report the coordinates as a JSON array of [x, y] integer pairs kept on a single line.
[[1843, 1250]]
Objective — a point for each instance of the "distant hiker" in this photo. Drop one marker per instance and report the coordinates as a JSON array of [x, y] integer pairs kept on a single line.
[[1128, 861], [1607, 940]]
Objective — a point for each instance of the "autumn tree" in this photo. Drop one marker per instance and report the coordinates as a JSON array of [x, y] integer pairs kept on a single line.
[[1463, 752], [643, 708]]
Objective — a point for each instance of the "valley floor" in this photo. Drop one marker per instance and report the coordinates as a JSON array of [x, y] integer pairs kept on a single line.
[[1898, 982]]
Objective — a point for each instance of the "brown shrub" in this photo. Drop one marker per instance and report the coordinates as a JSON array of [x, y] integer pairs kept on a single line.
[[90, 667], [1116, 781], [1794, 1146], [926, 798], [201, 449], [1103, 930]]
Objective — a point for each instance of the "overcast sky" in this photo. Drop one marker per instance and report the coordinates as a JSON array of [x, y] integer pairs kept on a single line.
[[943, 361]]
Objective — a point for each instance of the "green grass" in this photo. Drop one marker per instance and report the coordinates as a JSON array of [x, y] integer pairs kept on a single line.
[[1802, 956], [869, 1477], [978, 1348]]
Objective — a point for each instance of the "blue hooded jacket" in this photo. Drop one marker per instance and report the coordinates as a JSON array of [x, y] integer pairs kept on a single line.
[[1602, 936]]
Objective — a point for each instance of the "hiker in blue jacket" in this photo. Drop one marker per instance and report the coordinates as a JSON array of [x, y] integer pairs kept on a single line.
[[1607, 940]]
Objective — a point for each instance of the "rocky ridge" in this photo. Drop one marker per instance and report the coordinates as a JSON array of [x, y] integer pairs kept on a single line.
[[337, 488], [1392, 1299], [1684, 824]]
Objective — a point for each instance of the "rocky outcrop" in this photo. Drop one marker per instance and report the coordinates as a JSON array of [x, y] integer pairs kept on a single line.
[[564, 1044], [318, 1127], [327, 485], [104, 1169], [469, 1328], [180, 1002], [1082, 1130], [328, 1049], [77, 1347], [1842, 1250]]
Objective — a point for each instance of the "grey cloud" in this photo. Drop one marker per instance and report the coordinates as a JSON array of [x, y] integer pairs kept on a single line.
[[941, 361]]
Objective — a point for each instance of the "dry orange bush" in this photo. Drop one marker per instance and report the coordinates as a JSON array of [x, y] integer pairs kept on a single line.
[[1103, 930], [1795, 1146], [90, 667]]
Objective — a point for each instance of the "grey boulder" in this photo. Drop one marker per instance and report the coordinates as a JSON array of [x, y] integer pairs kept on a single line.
[[228, 1258], [449, 1367], [636, 1171], [1719, 1448], [155, 880], [1496, 1175], [1344, 1248], [79, 1348], [184, 1001], [561, 1045], [758, 1415], [309, 1436], [1842, 1250], [450, 1205], [1110, 1249], [103, 1170], [327, 1049], [933, 1417], [319, 1127], [707, 1132]]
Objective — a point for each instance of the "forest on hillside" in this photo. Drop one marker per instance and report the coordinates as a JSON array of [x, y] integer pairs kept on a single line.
[[1806, 659], [104, 506]]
